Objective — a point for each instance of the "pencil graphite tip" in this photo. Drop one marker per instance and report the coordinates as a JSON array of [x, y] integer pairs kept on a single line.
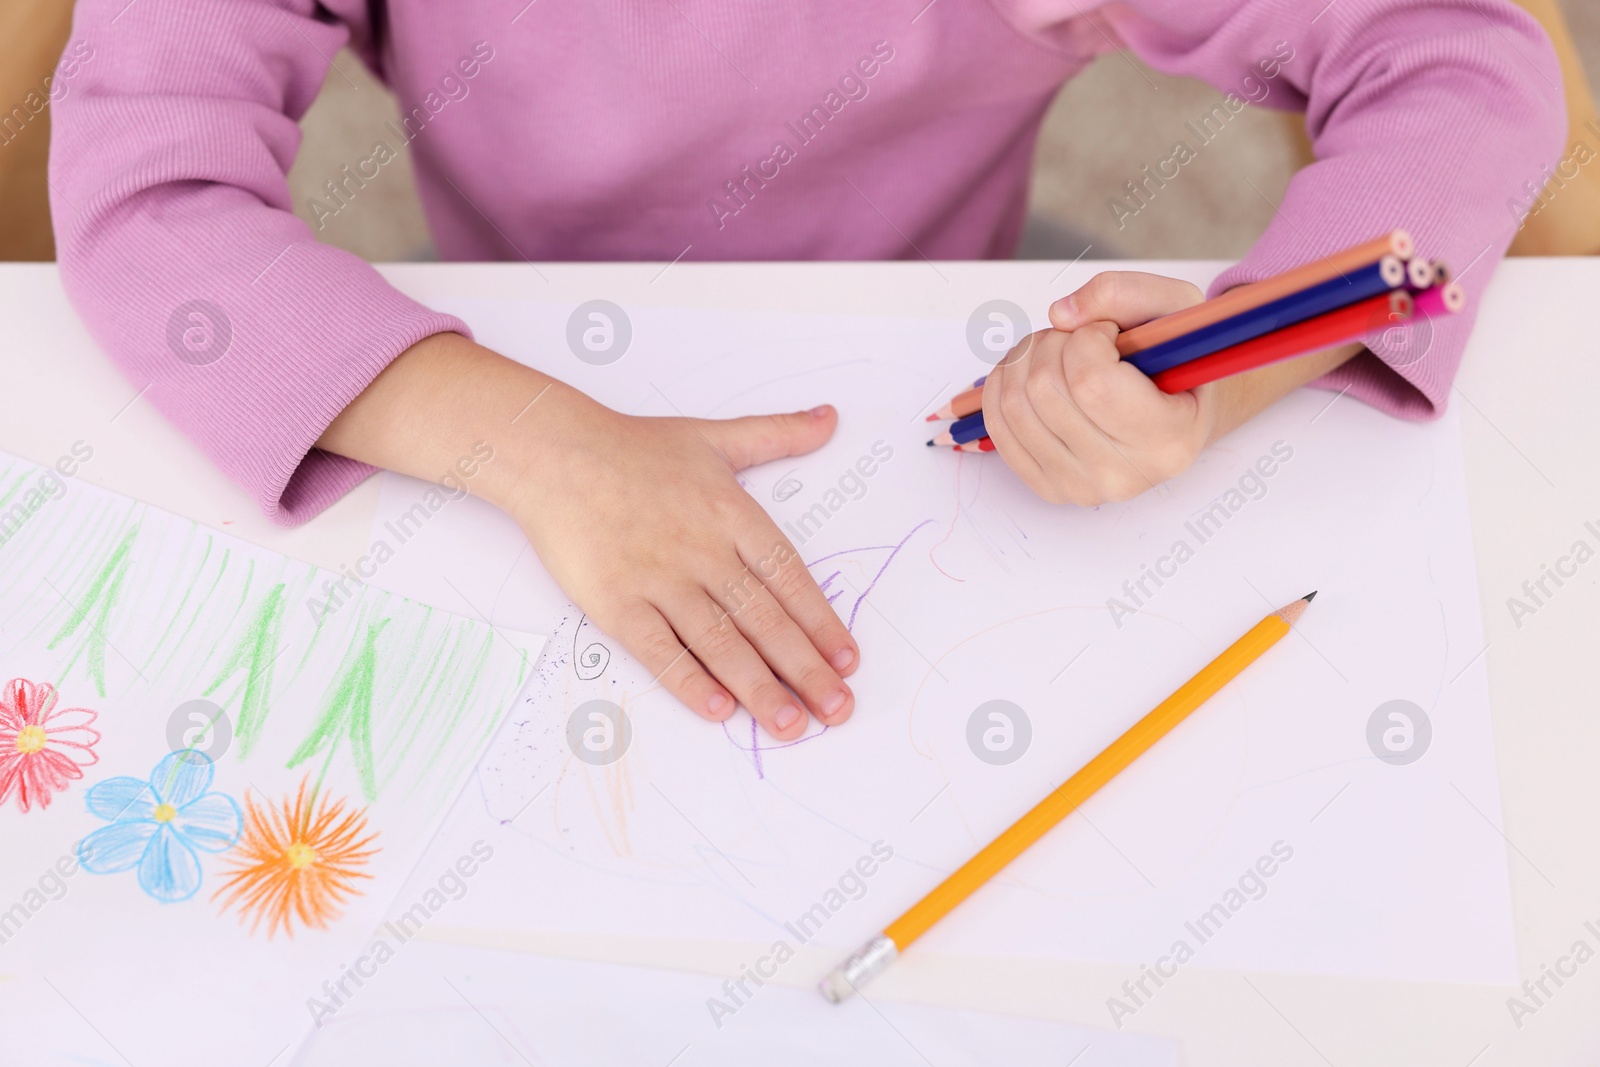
[[1309, 597], [930, 442]]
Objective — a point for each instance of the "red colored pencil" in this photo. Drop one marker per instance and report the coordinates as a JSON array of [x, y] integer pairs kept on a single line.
[[1312, 335], [982, 444], [1247, 297]]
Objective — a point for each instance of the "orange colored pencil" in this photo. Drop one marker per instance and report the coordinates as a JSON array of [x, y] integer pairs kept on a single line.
[[1312, 335], [1245, 297], [876, 955], [960, 406]]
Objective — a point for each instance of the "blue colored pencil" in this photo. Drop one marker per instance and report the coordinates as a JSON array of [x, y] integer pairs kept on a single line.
[[1386, 274], [962, 430], [968, 429]]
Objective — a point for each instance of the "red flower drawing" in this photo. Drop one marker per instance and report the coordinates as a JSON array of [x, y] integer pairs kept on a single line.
[[41, 749]]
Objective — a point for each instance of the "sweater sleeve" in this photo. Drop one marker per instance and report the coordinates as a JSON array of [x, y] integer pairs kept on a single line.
[[178, 246], [1426, 115]]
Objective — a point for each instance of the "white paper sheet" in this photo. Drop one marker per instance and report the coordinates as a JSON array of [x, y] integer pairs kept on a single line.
[[436, 1003], [143, 807], [1268, 811]]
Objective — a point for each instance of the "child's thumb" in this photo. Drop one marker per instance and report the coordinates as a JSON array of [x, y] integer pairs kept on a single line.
[[760, 438]]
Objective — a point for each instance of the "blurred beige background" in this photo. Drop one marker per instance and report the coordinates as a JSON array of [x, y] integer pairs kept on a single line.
[[1106, 124]]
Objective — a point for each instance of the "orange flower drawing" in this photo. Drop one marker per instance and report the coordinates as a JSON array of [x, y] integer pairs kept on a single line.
[[297, 863]]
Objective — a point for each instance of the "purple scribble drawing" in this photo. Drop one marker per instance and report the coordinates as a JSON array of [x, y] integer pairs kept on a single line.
[[757, 745], [893, 550]]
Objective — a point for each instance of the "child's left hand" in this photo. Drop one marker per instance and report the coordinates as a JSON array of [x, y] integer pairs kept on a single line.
[[1075, 422]]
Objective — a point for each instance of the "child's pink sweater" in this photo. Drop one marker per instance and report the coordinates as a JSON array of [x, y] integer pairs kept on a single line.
[[711, 130]]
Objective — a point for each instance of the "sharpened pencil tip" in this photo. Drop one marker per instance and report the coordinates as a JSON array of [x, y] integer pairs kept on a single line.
[[930, 442], [1309, 597]]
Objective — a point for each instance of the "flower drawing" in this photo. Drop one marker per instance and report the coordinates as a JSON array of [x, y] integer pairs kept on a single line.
[[42, 747], [159, 826], [297, 862]]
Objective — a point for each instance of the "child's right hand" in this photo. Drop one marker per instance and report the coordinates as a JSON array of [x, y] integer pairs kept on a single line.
[[640, 520], [645, 527]]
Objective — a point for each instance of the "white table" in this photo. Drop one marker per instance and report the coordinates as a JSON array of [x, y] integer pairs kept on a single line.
[[1532, 435]]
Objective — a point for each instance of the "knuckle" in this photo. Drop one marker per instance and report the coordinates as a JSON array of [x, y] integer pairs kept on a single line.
[[1105, 288], [719, 640], [1090, 385], [1119, 485], [1038, 390], [765, 619], [791, 582], [659, 646]]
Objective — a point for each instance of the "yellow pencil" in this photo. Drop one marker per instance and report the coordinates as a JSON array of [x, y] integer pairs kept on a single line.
[[873, 957]]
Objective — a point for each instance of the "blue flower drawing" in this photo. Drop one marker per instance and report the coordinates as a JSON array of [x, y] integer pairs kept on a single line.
[[158, 825]]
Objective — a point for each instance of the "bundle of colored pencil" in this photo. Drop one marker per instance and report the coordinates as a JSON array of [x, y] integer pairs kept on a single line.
[[1334, 300]]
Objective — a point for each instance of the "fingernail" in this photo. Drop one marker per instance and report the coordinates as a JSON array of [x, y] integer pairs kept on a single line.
[[787, 716], [834, 704], [842, 659], [718, 703], [819, 411]]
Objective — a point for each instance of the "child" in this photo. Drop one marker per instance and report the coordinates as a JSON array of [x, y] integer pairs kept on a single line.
[[712, 129]]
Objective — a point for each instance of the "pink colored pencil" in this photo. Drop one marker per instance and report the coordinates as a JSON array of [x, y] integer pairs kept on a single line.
[[1437, 300]]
